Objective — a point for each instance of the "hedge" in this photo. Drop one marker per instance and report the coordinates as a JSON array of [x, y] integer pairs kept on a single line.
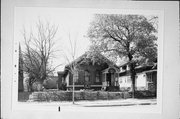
[[79, 95], [54, 95], [145, 94]]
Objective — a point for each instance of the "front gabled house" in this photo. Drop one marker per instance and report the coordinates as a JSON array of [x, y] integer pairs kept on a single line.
[[101, 74]]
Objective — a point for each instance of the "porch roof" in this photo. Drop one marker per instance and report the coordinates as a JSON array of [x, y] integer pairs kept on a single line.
[[111, 67]]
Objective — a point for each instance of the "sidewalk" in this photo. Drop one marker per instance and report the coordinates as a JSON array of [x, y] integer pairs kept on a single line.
[[108, 103]]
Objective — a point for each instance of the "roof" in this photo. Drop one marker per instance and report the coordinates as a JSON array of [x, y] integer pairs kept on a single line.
[[140, 69], [88, 55], [123, 64]]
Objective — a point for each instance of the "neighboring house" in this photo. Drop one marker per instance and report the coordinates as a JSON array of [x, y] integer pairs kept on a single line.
[[146, 77], [89, 75], [51, 82]]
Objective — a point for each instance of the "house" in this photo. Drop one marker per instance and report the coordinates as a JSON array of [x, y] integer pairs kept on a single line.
[[145, 79], [104, 74], [98, 74]]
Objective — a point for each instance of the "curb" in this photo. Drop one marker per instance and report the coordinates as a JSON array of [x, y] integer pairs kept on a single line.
[[110, 105]]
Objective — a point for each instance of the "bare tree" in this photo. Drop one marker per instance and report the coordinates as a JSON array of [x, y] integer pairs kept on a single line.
[[39, 49], [20, 71], [70, 56]]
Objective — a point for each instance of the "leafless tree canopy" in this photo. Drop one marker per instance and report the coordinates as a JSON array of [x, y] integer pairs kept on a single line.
[[39, 49]]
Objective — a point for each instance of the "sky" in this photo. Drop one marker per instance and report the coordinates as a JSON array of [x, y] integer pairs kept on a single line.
[[73, 22]]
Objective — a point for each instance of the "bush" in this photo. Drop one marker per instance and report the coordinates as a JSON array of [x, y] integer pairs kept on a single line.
[[102, 95], [127, 95], [115, 95], [90, 95], [37, 86], [23, 96], [145, 94], [79, 95]]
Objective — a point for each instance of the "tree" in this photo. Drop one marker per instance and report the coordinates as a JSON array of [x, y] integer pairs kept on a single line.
[[70, 59], [20, 71], [39, 49], [132, 37]]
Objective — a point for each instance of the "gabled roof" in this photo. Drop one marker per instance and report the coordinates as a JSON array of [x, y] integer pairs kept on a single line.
[[88, 55]]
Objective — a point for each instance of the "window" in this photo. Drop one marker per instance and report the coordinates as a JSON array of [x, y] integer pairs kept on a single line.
[[120, 80], [97, 76], [87, 76], [129, 79], [124, 67], [149, 77], [76, 76], [87, 80]]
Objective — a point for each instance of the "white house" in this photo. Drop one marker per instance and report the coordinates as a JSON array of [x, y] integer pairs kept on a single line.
[[146, 78]]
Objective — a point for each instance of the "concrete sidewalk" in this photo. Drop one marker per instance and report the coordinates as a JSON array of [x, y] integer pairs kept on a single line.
[[106, 103]]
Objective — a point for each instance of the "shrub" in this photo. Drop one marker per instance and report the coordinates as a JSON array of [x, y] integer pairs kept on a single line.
[[37, 86], [102, 95], [23, 96], [115, 95], [145, 94], [127, 95], [90, 95], [55, 95], [79, 95]]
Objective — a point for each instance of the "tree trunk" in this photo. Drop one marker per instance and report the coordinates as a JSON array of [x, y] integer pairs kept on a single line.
[[132, 73], [73, 91], [20, 81]]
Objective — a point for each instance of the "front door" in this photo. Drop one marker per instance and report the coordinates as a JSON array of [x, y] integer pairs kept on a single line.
[[109, 79], [87, 83]]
